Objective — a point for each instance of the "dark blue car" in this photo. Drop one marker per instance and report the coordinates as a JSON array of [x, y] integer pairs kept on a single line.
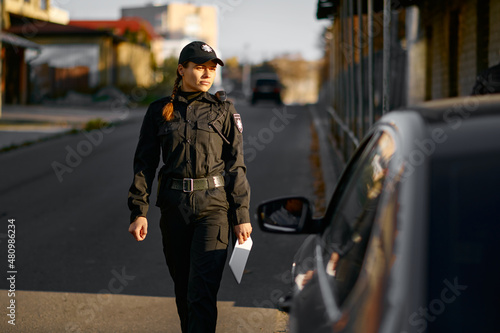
[[410, 241], [266, 87]]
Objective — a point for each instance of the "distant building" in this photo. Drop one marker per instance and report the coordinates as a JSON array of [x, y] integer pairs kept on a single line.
[[134, 29], [31, 15], [178, 24], [84, 58], [43, 10], [434, 50], [71, 59], [134, 53], [299, 78]]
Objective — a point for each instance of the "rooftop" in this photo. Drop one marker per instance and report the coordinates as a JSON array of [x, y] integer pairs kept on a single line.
[[42, 28], [119, 27]]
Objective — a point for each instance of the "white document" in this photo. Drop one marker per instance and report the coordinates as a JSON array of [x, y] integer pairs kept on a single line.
[[239, 258]]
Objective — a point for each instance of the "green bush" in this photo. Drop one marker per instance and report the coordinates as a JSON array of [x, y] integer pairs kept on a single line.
[[96, 123]]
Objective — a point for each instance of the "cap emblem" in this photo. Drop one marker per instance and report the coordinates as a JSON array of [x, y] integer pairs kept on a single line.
[[206, 48]]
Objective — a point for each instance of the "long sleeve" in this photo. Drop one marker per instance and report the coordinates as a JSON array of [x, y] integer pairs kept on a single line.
[[237, 187], [146, 159]]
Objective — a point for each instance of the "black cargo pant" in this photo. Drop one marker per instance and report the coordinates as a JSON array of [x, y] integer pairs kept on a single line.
[[195, 233]]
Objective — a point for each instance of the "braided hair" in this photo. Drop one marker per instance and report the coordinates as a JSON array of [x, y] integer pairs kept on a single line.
[[168, 110]]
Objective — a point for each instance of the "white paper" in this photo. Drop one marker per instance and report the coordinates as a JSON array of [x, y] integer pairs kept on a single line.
[[239, 258]]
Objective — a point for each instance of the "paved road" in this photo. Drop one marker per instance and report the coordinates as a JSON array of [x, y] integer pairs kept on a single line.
[[68, 199]]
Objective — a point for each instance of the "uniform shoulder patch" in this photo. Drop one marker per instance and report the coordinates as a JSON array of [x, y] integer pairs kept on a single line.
[[239, 123]]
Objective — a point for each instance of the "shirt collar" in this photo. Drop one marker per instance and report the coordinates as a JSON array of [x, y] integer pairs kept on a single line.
[[204, 95]]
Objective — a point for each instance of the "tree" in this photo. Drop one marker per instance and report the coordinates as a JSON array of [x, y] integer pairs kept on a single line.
[[170, 70]]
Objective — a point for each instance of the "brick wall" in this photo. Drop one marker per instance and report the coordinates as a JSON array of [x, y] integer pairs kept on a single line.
[[416, 57], [438, 17], [494, 47], [467, 47], [438, 62]]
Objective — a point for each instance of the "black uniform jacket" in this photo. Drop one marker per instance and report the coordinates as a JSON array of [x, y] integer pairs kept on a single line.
[[203, 139]]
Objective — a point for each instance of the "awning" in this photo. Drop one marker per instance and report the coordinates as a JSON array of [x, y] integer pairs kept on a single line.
[[15, 40]]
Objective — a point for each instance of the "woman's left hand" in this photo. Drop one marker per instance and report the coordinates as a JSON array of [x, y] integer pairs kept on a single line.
[[242, 232]]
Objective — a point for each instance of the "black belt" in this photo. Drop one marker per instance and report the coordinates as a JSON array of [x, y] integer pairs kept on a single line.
[[190, 184]]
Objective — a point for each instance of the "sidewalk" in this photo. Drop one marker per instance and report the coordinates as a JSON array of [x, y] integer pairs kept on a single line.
[[21, 124], [37, 311]]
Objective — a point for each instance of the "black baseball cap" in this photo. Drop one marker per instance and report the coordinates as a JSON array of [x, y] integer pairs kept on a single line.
[[199, 53]]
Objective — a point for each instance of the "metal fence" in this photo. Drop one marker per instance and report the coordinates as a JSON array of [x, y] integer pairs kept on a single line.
[[364, 82]]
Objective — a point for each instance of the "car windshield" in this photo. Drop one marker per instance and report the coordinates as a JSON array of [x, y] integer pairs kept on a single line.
[[464, 244]]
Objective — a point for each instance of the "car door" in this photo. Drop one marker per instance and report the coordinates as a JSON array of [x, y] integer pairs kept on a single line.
[[328, 266]]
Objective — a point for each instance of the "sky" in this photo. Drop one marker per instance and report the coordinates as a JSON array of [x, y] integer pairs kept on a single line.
[[252, 30]]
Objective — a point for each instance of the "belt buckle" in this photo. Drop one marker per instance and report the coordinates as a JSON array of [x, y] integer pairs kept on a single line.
[[187, 185], [217, 181]]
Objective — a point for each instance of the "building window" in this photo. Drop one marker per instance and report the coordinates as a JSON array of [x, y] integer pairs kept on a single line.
[[43, 4], [192, 26]]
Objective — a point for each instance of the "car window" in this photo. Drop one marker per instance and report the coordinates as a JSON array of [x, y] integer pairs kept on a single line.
[[346, 237], [464, 243]]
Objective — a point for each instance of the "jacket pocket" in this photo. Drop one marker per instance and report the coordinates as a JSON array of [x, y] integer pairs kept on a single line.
[[208, 140], [223, 237], [204, 137], [168, 127], [170, 134]]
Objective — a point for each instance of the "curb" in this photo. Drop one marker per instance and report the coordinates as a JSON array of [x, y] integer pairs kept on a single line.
[[32, 133], [331, 163]]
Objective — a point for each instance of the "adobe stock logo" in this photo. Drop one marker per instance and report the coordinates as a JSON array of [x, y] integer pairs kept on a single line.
[[437, 306], [91, 307], [84, 148], [226, 6], [265, 136]]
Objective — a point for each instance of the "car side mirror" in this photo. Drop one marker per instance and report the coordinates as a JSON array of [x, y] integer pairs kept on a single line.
[[286, 215]]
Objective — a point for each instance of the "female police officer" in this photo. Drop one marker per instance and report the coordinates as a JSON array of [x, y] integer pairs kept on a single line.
[[202, 186]]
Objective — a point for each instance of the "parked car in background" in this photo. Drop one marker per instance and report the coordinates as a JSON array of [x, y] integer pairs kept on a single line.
[[266, 87], [411, 237]]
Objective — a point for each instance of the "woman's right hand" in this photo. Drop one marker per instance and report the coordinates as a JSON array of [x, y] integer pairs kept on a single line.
[[139, 228]]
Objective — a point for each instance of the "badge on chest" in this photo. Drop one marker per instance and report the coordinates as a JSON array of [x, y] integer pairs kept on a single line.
[[237, 120]]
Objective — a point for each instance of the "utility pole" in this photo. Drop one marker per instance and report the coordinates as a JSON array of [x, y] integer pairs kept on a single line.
[[361, 105], [387, 58], [370, 64]]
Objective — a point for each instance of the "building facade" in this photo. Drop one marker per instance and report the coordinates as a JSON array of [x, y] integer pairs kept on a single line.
[[77, 58], [70, 59], [133, 50], [449, 44], [178, 24], [23, 10], [14, 68], [380, 58]]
